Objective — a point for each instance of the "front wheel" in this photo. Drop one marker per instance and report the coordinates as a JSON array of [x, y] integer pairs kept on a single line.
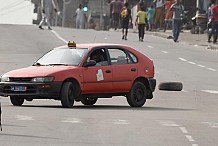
[[17, 100], [88, 100], [137, 95], [67, 95]]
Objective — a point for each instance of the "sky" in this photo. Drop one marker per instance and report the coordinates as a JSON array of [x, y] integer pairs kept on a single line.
[[16, 12]]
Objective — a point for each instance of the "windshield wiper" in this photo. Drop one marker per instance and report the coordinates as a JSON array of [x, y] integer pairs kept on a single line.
[[37, 64], [58, 64]]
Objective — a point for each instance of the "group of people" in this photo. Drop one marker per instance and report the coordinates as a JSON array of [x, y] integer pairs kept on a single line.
[[48, 5], [151, 16]]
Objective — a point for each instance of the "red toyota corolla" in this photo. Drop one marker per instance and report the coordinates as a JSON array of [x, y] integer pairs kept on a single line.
[[83, 72]]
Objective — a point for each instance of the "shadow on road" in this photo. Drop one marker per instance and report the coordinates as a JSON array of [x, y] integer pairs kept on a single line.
[[113, 107]]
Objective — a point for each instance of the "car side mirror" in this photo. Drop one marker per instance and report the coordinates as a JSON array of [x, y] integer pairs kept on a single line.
[[90, 63]]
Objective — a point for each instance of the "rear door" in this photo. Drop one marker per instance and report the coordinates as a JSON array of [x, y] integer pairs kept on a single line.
[[124, 69]]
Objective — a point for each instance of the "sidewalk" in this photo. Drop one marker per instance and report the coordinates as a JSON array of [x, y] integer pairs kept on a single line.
[[186, 37]]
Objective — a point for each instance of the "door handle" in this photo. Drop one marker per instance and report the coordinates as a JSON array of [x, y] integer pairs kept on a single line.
[[108, 71], [133, 69]]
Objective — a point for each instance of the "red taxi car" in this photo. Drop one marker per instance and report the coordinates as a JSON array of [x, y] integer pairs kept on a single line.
[[83, 72]]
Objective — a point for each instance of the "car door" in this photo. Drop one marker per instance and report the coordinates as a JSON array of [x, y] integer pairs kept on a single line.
[[98, 78], [124, 69]]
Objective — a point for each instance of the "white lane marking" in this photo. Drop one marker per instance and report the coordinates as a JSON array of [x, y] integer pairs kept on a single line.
[[194, 144], [24, 118], [150, 47], [183, 129], [169, 123], [190, 138], [201, 66], [211, 69], [58, 36], [211, 124], [121, 122], [72, 120], [191, 62], [196, 45], [164, 52], [182, 59], [210, 91]]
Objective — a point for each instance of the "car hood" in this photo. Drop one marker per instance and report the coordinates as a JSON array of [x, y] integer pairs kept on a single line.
[[37, 71]]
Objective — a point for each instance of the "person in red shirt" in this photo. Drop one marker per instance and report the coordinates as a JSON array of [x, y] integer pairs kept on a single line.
[[214, 20], [169, 13]]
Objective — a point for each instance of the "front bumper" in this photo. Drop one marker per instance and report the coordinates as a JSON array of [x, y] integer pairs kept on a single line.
[[32, 90]]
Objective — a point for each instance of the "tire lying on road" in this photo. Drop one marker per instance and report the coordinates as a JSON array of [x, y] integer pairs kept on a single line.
[[170, 86]]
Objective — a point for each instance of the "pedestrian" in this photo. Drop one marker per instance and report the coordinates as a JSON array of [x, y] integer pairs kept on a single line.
[[209, 23], [141, 20], [126, 18], [150, 14], [80, 17], [169, 14], [178, 11], [115, 9], [159, 11], [46, 7], [214, 20]]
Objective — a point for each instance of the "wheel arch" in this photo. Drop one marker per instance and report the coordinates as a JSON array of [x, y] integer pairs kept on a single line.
[[147, 84], [77, 87]]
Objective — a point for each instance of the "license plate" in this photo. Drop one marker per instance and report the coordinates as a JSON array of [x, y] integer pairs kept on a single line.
[[18, 88]]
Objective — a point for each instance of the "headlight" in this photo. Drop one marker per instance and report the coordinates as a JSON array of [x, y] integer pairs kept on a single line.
[[42, 79], [5, 79]]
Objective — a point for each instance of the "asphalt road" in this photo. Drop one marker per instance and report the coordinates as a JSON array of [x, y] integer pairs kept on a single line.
[[186, 118]]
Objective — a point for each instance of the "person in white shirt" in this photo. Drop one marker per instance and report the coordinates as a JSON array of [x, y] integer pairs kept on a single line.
[[80, 17], [46, 7]]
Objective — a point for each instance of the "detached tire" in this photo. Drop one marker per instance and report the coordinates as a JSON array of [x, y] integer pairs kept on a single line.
[[67, 95], [171, 86], [137, 95], [88, 101], [17, 100]]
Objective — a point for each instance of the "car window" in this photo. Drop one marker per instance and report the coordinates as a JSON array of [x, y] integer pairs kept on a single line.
[[134, 58], [118, 56], [100, 57], [63, 57]]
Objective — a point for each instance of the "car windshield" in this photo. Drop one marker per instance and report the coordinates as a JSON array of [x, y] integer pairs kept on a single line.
[[63, 56]]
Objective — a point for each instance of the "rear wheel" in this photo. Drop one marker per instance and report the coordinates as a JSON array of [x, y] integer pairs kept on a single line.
[[89, 101], [67, 95], [137, 95], [17, 100]]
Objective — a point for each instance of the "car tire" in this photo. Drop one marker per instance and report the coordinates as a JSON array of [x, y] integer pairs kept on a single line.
[[171, 86], [67, 95], [17, 100], [137, 95], [88, 101]]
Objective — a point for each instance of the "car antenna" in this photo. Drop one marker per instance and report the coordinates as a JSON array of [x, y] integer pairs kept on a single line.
[[0, 116]]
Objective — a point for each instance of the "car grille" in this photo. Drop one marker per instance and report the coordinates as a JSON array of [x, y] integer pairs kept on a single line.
[[20, 79]]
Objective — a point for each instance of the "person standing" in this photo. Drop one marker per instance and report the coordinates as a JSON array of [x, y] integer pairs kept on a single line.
[[214, 20], [178, 10], [209, 23], [150, 13], [169, 14], [126, 18], [159, 11], [115, 9], [80, 17], [46, 7], [141, 20]]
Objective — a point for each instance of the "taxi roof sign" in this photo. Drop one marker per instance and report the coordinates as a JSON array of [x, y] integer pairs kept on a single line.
[[71, 44]]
